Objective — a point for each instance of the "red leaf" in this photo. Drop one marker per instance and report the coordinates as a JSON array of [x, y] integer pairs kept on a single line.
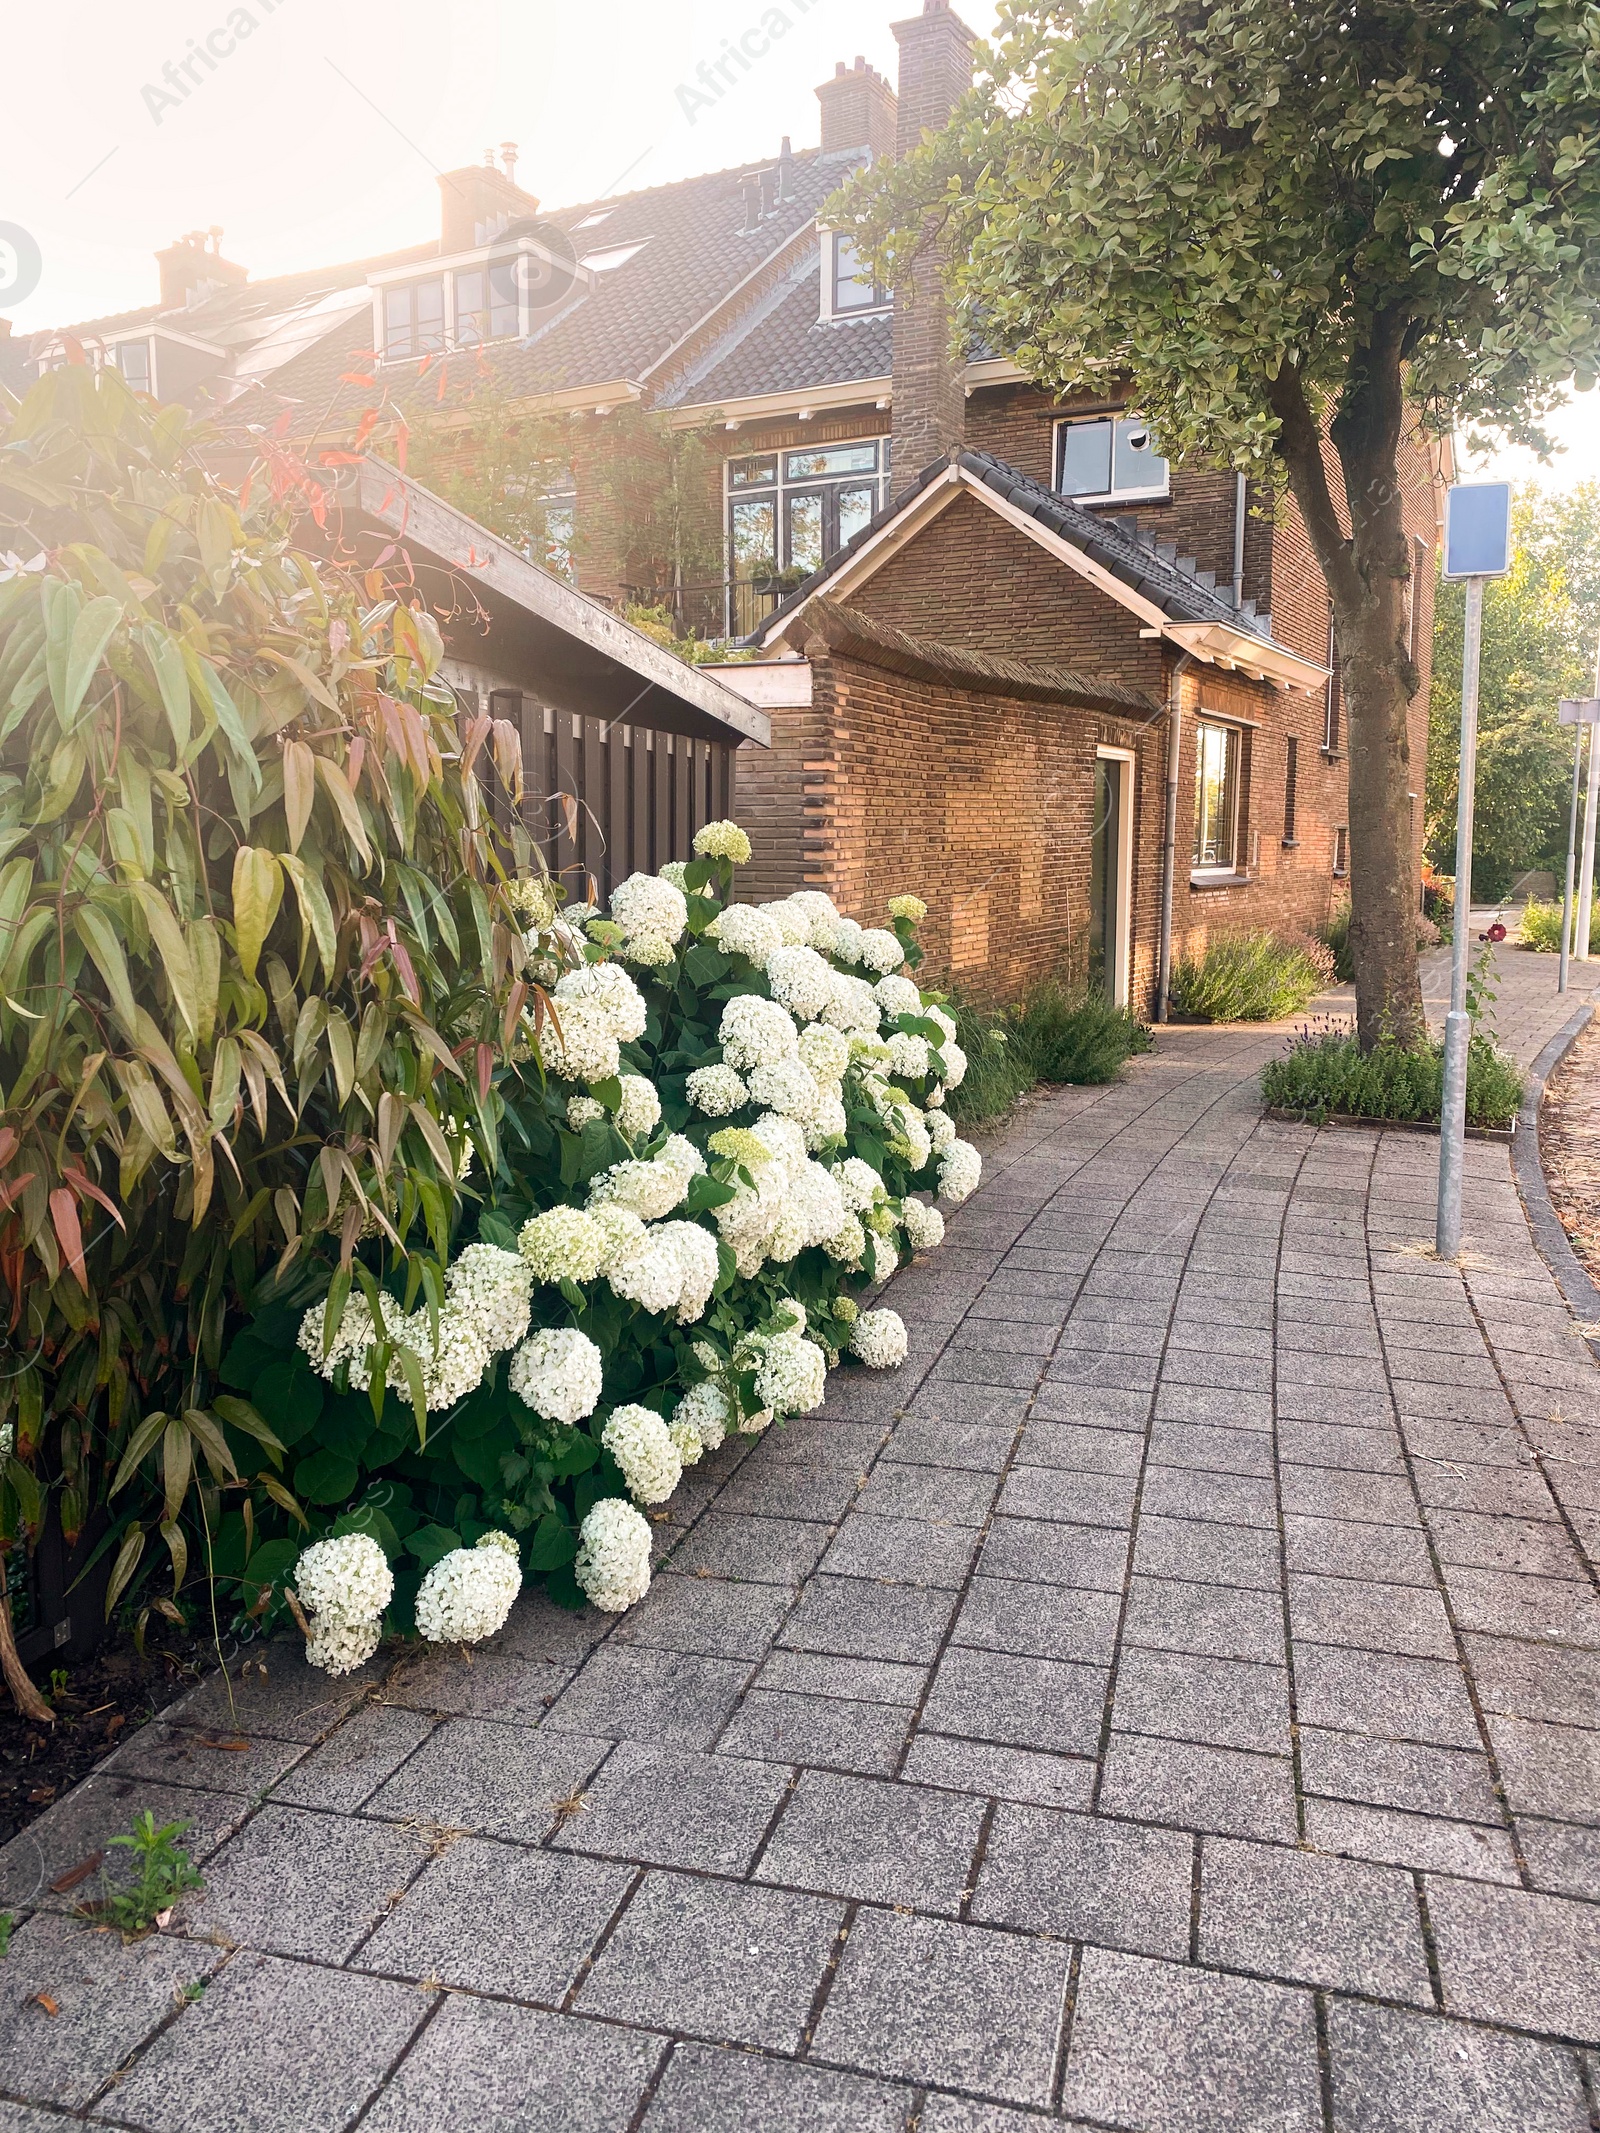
[[8, 1141], [485, 1071], [80, 1183], [64, 1214]]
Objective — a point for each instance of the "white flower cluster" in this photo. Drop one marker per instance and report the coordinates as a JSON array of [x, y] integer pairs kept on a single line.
[[584, 1047], [613, 1562], [793, 1203], [879, 1338], [755, 1032], [801, 981], [744, 929], [467, 1594], [716, 1090], [489, 1289], [449, 1368], [924, 1225], [709, 1411], [639, 1113], [641, 1444], [344, 1584], [960, 1168], [672, 1266], [609, 986], [652, 914], [563, 1244], [557, 1373], [722, 840]]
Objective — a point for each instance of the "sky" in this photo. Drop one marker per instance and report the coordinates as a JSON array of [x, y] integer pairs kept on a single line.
[[318, 133]]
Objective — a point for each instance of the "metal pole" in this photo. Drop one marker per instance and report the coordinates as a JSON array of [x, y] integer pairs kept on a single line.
[[1580, 944], [1169, 837], [1457, 1025], [1572, 840]]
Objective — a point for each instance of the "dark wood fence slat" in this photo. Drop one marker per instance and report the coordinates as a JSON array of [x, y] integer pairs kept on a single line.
[[568, 789], [596, 838], [619, 842]]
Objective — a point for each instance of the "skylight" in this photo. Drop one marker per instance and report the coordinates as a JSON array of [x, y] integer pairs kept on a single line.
[[617, 255]]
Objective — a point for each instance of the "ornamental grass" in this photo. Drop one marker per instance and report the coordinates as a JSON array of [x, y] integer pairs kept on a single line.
[[1251, 977], [1324, 1073]]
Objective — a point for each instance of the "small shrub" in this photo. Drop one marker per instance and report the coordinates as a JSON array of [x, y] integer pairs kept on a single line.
[[1541, 928], [163, 1871], [996, 1073], [7, 1928], [1061, 1033], [1325, 1072], [1251, 977]]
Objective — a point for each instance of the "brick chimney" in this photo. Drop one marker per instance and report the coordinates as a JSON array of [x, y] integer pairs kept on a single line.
[[478, 202], [194, 268], [930, 406], [858, 110]]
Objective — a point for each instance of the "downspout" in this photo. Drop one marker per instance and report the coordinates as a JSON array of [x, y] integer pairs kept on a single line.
[[1240, 500], [1169, 840]]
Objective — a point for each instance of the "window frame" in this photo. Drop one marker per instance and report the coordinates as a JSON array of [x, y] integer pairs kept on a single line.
[[879, 300], [1125, 760], [413, 353], [1291, 791], [780, 486], [486, 269], [1113, 417], [1233, 869], [147, 343]]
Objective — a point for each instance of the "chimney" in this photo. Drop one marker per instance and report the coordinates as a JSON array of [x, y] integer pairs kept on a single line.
[[193, 268], [858, 110], [477, 203], [930, 405]]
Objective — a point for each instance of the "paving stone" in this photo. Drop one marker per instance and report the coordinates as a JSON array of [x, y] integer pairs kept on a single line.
[[1168, 2049], [634, 1692], [987, 1368], [1091, 1557], [992, 1405], [505, 1780], [1109, 1407], [959, 2114], [499, 1918], [1039, 1621], [1548, 1769], [883, 1843], [675, 1807], [483, 2064], [1376, 1692], [513, 1691], [909, 1551], [1509, 1955], [1021, 1703], [1370, 1616], [1225, 1499], [1501, 1603], [79, 1827], [938, 1495], [1526, 1680], [831, 1732], [1223, 1621], [1208, 1449], [789, 1491], [1316, 1921], [272, 2047], [1361, 1450], [1386, 1773], [860, 1620], [23, 2118], [1423, 1842], [722, 1617], [927, 2000], [1222, 1408], [1086, 1878], [857, 1680], [107, 1999], [1004, 1773], [560, 1636], [189, 1755], [279, 1695], [980, 1447], [298, 1883], [1404, 2073], [1446, 1485], [1196, 1787], [1561, 1856], [708, 2091], [1223, 1703], [1350, 1548], [728, 1544], [1041, 1492], [1535, 1545], [1082, 1447], [1329, 1492], [715, 1959], [353, 1762], [1206, 1551]]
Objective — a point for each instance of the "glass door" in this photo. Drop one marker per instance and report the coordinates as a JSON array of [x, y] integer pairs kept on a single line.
[[1109, 886]]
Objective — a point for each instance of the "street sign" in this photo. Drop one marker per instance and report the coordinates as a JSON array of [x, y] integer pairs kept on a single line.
[[1579, 710], [1477, 529]]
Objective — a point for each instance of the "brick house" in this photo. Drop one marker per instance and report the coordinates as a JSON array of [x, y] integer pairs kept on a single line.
[[1082, 701]]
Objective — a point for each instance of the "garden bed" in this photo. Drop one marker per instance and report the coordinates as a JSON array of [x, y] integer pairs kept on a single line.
[[1286, 1116]]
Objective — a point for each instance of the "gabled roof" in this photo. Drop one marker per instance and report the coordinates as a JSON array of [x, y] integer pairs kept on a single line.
[[789, 348], [1171, 599]]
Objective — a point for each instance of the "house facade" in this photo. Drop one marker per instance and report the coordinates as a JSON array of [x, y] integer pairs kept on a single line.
[[1080, 700]]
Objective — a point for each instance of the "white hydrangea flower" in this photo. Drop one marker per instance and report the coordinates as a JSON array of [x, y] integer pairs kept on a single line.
[[708, 1411], [910, 1138], [743, 929], [585, 1047], [681, 1152], [955, 1063], [350, 1344], [880, 950], [853, 1006], [563, 1244], [960, 1168], [859, 1184], [801, 981], [941, 1131], [847, 939], [677, 872], [339, 1647], [933, 1098], [879, 1338], [828, 1122], [685, 1440], [924, 1225], [344, 1579], [581, 1109], [452, 1364], [613, 1561], [648, 908], [650, 950], [621, 1233], [816, 905], [640, 1110], [790, 1232], [639, 1441], [695, 1250], [468, 1593], [825, 1050], [898, 996], [651, 1275], [848, 1244], [911, 907], [609, 985], [716, 1090], [792, 1377], [786, 1086], [791, 918], [557, 1372], [815, 1196], [649, 1189], [722, 840], [490, 1289], [908, 1056], [755, 1032], [946, 1023], [783, 1139]]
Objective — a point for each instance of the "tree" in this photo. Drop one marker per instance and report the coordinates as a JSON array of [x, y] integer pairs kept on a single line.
[[1539, 631], [1285, 228]]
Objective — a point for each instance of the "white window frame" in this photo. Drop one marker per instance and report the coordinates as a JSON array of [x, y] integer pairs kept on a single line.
[[781, 484], [132, 340], [1158, 493], [1125, 759], [829, 278], [1236, 870]]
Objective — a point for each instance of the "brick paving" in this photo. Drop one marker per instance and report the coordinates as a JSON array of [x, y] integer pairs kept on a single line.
[[1170, 1703]]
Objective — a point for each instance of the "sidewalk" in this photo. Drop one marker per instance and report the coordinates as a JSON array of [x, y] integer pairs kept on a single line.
[[1171, 1703]]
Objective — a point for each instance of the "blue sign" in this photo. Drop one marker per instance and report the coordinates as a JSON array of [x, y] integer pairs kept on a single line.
[[1477, 529]]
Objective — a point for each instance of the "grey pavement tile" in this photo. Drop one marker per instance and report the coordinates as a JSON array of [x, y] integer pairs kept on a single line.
[[999, 1773], [993, 1406], [515, 1691], [1197, 1366], [861, 1680], [831, 1732], [1021, 1703], [1518, 1492], [986, 1367], [959, 2114], [859, 1619], [1376, 1692], [1084, 1877], [982, 1447], [635, 1692], [353, 1762], [728, 1544], [278, 1695], [1548, 1769], [715, 1959], [561, 1636], [726, 1618], [298, 1883], [1083, 1447], [708, 2091], [80, 1826], [1220, 1499], [1345, 1547], [1006, 1299], [1214, 1406], [883, 1843], [1168, 2049], [1361, 1450], [1059, 1493], [997, 1336], [23, 2118], [1098, 1406], [1194, 1787], [1332, 1492], [1561, 1856], [272, 2047], [502, 1779], [1406, 2073], [1510, 1955], [928, 2000], [1207, 1449], [1090, 1558], [483, 2064], [1536, 1545], [1501, 1603], [1528, 1680], [1207, 1550], [1225, 1621], [1038, 1621], [107, 1999], [1313, 1920], [1387, 1773], [499, 1918], [216, 1761], [1370, 1616], [909, 1551], [675, 1807], [1222, 1703], [940, 1495], [789, 1490], [1424, 1843]]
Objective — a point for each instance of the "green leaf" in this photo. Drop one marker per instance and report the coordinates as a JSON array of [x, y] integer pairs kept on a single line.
[[228, 719], [430, 1544], [91, 633], [494, 1227], [576, 1456], [553, 1545], [257, 893], [326, 1477], [172, 680], [174, 952], [316, 913], [288, 1394], [272, 1564], [367, 1518], [704, 965]]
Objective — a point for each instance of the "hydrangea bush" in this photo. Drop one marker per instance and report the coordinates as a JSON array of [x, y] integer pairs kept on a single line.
[[727, 1124]]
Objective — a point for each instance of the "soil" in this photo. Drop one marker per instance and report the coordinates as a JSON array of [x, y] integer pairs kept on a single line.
[[98, 1703], [1569, 1146]]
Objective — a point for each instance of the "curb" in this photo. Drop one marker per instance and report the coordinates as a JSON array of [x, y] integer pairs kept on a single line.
[[1284, 1116], [1579, 1293]]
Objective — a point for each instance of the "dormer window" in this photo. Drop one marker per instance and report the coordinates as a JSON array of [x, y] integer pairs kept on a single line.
[[1103, 459], [486, 304], [844, 296], [413, 320], [132, 358]]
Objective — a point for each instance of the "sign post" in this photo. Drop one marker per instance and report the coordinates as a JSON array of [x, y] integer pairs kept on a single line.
[[1580, 712], [1477, 543]]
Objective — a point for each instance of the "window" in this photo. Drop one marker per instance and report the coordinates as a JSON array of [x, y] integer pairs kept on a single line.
[[846, 294], [1108, 458], [1419, 563], [793, 510], [132, 358], [1291, 781], [486, 304], [1331, 695], [1216, 798], [413, 320], [1341, 852]]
